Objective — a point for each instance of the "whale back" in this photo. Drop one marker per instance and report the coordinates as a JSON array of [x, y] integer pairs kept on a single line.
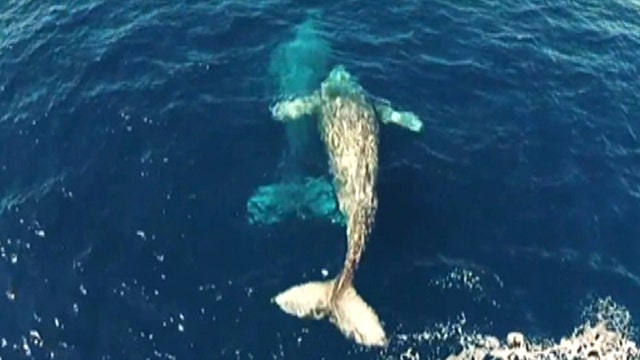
[[350, 131]]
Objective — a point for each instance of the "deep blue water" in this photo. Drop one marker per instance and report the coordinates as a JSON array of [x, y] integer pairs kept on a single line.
[[132, 135]]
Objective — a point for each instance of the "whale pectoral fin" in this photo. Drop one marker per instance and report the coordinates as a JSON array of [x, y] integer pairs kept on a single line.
[[405, 119], [295, 108]]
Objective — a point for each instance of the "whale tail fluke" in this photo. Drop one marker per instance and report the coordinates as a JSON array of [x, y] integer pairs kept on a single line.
[[348, 311]]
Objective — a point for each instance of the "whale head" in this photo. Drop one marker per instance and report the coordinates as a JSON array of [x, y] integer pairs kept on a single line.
[[340, 83]]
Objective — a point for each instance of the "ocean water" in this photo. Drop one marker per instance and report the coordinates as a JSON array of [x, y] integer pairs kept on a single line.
[[132, 135]]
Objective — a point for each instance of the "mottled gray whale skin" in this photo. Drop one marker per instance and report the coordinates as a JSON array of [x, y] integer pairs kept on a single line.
[[348, 124]]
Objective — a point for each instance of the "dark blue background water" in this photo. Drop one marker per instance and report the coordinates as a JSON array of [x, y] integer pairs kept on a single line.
[[132, 135]]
